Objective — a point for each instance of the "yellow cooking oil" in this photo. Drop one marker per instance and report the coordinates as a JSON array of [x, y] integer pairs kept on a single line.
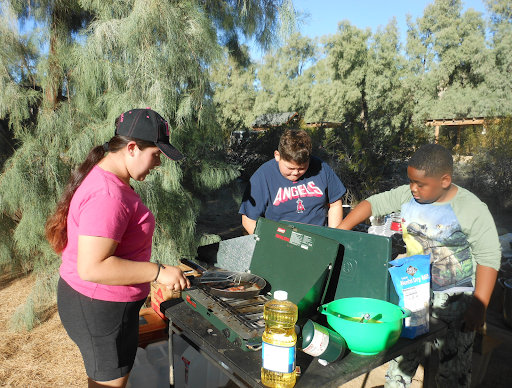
[[279, 342]]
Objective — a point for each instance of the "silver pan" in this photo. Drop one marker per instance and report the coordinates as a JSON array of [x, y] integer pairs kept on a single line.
[[226, 284]]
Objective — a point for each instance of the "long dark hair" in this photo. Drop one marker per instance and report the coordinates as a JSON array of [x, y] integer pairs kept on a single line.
[[56, 226]]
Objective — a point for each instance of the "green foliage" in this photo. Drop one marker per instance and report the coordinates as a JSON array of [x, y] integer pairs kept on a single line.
[[7, 247], [285, 79], [235, 92], [489, 173], [381, 97], [494, 67], [446, 49], [366, 89], [17, 71], [103, 58], [363, 171], [267, 22]]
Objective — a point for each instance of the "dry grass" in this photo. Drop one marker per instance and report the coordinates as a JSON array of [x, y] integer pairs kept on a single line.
[[45, 357]]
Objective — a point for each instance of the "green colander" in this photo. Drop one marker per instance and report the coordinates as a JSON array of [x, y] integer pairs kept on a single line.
[[363, 335]]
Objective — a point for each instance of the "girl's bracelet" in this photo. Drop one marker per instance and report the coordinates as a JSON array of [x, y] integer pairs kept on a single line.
[[158, 273]]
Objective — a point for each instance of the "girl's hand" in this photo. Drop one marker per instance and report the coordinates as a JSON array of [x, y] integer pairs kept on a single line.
[[173, 278]]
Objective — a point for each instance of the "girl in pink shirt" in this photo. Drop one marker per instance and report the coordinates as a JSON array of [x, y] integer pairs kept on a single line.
[[104, 233]]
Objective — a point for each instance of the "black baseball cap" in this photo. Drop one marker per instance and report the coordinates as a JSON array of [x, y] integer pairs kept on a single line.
[[146, 124]]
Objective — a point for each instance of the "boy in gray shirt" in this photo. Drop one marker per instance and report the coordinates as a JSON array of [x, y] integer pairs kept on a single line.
[[457, 230]]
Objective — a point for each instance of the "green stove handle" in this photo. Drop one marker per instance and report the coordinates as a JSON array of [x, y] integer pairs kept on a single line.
[[323, 309], [406, 312]]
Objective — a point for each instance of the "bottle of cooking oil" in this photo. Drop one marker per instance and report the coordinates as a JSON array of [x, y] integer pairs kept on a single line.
[[279, 342]]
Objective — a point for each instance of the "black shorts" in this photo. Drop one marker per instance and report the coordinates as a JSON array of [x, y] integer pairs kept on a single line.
[[107, 333]]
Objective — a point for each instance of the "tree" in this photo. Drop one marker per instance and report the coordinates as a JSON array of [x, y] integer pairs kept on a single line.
[[62, 21], [489, 172], [361, 84], [285, 77], [234, 91], [388, 97], [347, 60], [131, 54], [496, 65], [445, 48]]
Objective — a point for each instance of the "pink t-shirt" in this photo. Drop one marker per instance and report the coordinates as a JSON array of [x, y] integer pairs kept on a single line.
[[104, 206]]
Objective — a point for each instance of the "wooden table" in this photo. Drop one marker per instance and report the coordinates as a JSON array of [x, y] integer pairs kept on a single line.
[[245, 367]]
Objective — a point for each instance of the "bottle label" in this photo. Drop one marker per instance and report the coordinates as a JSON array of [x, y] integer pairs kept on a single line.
[[278, 358], [319, 342]]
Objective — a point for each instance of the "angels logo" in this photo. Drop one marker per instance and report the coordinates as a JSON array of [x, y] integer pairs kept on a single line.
[[300, 206], [289, 193]]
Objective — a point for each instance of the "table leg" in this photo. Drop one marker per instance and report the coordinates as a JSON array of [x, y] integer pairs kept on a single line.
[[171, 356], [426, 365]]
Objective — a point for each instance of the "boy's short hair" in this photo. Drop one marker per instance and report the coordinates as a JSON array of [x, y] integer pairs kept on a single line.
[[295, 146], [434, 159]]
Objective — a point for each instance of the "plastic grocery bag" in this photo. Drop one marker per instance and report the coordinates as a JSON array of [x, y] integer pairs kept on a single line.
[[411, 278]]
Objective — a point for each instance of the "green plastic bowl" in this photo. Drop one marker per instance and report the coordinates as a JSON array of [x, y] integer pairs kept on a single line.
[[367, 338]]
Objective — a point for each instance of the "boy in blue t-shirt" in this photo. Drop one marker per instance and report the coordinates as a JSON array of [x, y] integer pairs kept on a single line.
[[457, 230], [294, 186]]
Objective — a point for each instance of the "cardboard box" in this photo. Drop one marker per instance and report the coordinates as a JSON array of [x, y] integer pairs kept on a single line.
[[160, 293], [152, 328]]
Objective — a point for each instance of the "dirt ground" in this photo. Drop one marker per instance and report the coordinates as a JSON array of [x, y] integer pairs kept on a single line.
[[46, 357]]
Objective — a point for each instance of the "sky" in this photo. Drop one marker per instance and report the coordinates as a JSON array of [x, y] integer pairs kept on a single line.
[[325, 14]]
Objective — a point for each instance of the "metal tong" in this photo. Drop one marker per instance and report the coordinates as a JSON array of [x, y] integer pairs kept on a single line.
[[216, 276], [231, 277]]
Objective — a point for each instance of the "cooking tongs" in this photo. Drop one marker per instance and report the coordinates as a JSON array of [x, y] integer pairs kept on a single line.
[[215, 276], [221, 277], [249, 285]]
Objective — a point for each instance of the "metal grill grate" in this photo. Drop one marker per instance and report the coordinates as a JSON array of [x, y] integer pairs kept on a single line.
[[248, 312]]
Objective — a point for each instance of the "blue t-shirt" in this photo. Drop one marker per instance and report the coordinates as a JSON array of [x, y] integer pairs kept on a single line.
[[269, 194]]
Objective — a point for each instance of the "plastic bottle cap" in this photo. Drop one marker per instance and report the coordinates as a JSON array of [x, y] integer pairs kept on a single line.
[[280, 295]]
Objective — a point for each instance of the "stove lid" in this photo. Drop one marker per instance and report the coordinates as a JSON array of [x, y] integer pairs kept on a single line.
[[364, 266], [234, 254], [294, 260]]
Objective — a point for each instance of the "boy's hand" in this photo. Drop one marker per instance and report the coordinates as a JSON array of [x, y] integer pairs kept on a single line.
[[360, 213], [474, 317], [475, 314]]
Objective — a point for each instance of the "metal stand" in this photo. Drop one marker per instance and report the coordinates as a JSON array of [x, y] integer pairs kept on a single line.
[[246, 365]]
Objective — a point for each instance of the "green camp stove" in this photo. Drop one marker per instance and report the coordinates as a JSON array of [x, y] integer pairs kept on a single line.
[[287, 257], [314, 264]]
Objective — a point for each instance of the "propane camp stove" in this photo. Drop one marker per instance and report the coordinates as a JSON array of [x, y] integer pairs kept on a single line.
[[239, 320], [288, 258], [314, 264]]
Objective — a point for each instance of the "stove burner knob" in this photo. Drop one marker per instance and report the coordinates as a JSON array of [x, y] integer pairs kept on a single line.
[[226, 332], [237, 342]]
